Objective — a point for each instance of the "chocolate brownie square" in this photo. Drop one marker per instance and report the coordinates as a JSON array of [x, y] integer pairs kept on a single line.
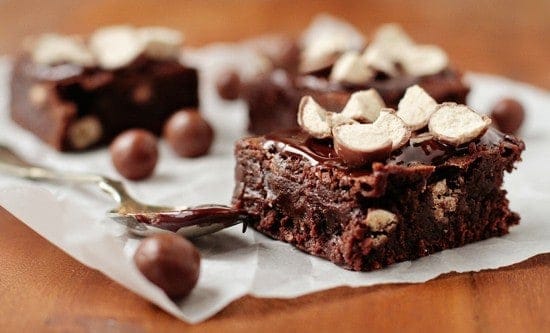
[[428, 193], [75, 94]]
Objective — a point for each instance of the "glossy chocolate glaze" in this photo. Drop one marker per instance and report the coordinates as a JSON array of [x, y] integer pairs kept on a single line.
[[197, 216], [421, 149]]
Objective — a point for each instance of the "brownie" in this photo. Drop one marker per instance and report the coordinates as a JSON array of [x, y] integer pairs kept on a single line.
[[73, 106], [272, 96], [425, 196]]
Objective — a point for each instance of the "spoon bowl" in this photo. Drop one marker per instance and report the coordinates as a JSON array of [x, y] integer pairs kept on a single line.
[[140, 218]]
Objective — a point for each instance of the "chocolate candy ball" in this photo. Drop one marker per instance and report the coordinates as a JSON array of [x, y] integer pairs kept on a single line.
[[135, 153], [508, 115], [229, 85], [169, 261], [188, 133]]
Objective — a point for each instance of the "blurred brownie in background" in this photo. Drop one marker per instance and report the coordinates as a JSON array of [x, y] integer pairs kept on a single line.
[[76, 93], [332, 60]]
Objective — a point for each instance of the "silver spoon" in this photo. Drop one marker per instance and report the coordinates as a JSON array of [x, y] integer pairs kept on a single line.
[[141, 219]]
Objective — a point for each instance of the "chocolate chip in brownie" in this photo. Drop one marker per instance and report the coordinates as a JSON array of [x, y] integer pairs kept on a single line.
[[84, 132], [142, 93]]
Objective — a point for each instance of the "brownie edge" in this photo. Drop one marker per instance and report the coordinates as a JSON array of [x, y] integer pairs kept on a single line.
[[332, 212]]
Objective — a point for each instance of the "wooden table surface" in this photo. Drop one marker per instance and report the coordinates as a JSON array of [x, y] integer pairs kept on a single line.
[[43, 289]]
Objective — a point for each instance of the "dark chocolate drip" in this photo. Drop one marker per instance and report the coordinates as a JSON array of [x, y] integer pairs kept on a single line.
[[427, 151], [196, 216], [300, 143]]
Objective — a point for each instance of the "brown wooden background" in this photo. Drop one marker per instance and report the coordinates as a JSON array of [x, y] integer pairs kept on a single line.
[[43, 289]]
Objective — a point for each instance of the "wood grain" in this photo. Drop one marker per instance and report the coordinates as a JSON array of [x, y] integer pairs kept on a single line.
[[43, 289]]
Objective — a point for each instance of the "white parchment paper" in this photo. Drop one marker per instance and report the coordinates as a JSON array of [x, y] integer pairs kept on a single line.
[[236, 264]]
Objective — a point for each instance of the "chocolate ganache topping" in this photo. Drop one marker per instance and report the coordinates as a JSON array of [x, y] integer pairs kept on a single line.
[[420, 132], [197, 216], [426, 151]]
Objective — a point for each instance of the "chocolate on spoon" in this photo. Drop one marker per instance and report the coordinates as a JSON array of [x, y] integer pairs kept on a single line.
[[141, 219]]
